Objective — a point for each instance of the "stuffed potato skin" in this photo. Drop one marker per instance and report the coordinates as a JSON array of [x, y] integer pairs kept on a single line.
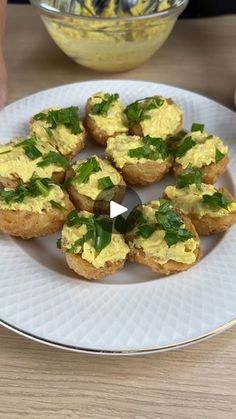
[[207, 225], [86, 203], [97, 128], [57, 177], [86, 270], [139, 169], [28, 224], [145, 173], [171, 266], [210, 173], [137, 129]]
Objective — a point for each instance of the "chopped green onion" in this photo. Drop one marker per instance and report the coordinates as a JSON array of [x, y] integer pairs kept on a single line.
[[86, 169], [218, 156], [57, 205], [102, 108], [197, 127], [218, 199], [185, 145], [105, 183], [189, 176], [66, 116], [53, 158]]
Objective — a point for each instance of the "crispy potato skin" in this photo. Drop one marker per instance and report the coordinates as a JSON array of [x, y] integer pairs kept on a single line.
[[136, 129], [27, 224], [170, 267], [85, 203], [145, 173], [80, 145], [207, 225], [57, 177], [98, 135], [210, 173], [85, 269]]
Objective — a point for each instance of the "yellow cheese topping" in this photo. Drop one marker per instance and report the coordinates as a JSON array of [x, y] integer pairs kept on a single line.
[[37, 204], [116, 250], [189, 200], [91, 188], [203, 153], [14, 164], [61, 137], [163, 121], [156, 245], [118, 148], [114, 121]]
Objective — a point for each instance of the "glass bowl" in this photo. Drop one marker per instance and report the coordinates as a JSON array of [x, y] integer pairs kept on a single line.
[[109, 44]]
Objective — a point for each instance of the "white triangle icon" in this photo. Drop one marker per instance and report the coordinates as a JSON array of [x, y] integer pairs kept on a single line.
[[116, 209]]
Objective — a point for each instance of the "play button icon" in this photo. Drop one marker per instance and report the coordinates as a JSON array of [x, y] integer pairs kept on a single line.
[[116, 209]]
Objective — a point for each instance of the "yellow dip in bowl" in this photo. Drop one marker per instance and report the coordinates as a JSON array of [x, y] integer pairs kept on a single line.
[[109, 43]]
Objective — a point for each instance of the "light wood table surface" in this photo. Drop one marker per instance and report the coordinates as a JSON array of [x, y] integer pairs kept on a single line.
[[39, 382]]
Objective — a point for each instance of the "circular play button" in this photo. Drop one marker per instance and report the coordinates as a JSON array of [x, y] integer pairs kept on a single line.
[[117, 208]]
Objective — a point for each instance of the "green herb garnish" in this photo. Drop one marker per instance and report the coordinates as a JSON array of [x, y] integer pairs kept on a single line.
[[136, 218], [153, 149], [85, 238], [53, 158], [178, 137], [103, 227], [57, 205], [99, 230], [58, 242], [66, 116], [86, 169], [197, 127], [189, 176], [175, 236], [146, 230], [73, 219], [218, 156], [186, 145], [121, 224], [168, 220], [154, 103], [218, 199], [102, 108], [35, 188], [48, 132], [135, 112], [30, 149], [105, 183]]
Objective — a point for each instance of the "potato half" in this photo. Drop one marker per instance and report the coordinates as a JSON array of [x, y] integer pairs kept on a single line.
[[206, 220], [138, 254], [157, 121], [91, 245], [210, 173], [88, 196], [135, 170], [106, 122], [28, 224], [65, 139]]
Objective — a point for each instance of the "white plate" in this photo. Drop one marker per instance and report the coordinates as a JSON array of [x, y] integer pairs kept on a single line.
[[135, 310]]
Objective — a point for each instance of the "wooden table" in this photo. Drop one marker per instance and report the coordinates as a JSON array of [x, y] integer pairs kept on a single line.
[[39, 382]]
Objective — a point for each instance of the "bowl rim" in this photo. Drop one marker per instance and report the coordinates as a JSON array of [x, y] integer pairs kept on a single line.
[[49, 10]]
